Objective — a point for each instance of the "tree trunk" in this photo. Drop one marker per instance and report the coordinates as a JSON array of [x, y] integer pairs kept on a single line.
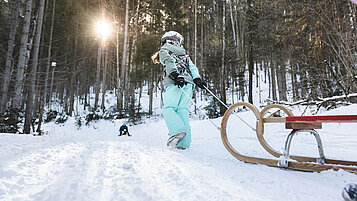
[[41, 110], [71, 89], [269, 78], [273, 80], [236, 44], [97, 76], [127, 79], [51, 86], [133, 67], [124, 59], [150, 91], [29, 102], [9, 59], [294, 83], [223, 77], [202, 49], [104, 85], [257, 81], [281, 81], [118, 70], [195, 51], [19, 83], [66, 95], [250, 51], [49, 53]]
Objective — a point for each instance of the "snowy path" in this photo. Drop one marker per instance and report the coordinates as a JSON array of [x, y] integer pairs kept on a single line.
[[96, 164], [112, 170]]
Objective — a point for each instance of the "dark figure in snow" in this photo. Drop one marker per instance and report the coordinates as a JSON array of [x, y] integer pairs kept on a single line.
[[124, 130], [180, 78], [349, 193]]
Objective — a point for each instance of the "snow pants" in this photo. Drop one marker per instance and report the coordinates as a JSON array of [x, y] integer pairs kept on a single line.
[[176, 105]]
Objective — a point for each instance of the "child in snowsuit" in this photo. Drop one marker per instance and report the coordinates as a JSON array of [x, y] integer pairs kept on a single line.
[[180, 75], [124, 130]]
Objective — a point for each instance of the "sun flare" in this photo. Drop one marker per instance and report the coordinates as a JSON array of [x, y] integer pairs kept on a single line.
[[103, 29]]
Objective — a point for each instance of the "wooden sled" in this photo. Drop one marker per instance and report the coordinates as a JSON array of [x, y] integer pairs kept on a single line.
[[298, 124]]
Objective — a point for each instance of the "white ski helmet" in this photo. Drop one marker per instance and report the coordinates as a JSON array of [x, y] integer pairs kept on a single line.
[[172, 37]]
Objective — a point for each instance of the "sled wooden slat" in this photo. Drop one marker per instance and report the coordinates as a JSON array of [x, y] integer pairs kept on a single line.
[[274, 120], [291, 122], [330, 118], [322, 119], [303, 125]]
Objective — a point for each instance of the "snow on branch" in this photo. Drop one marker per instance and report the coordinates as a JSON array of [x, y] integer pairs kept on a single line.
[[319, 101]]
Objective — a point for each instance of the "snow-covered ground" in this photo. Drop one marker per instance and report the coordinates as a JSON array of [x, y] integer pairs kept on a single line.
[[94, 163]]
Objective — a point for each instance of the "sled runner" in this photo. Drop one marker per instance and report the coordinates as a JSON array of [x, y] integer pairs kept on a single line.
[[297, 124]]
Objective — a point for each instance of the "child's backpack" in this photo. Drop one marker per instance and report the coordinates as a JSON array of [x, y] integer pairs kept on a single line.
[[182, 63]]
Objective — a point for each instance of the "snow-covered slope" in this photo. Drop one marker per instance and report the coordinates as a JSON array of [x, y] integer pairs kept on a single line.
[[95, 164]]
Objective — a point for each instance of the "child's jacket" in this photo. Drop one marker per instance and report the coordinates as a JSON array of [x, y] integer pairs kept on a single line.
[[174, 59]]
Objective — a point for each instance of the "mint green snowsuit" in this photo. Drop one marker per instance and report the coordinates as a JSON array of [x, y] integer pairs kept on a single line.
[[176, 103]]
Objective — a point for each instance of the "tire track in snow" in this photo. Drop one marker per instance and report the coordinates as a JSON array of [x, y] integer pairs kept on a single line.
[[121, 179], [106, 172], [85, 176], [93, 178], [28, 175], [73, 183], [180, 178]]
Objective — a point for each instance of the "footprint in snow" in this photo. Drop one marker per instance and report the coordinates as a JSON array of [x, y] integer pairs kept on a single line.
[[127, 166]]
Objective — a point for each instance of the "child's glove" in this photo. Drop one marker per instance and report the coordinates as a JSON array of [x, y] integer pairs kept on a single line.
[[201, 84], [179, 79]]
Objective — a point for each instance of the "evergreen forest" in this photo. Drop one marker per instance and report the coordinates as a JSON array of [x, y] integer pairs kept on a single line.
[[52, 54]]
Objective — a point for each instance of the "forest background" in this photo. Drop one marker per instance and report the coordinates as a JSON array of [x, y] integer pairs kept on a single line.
[[50, 53]]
